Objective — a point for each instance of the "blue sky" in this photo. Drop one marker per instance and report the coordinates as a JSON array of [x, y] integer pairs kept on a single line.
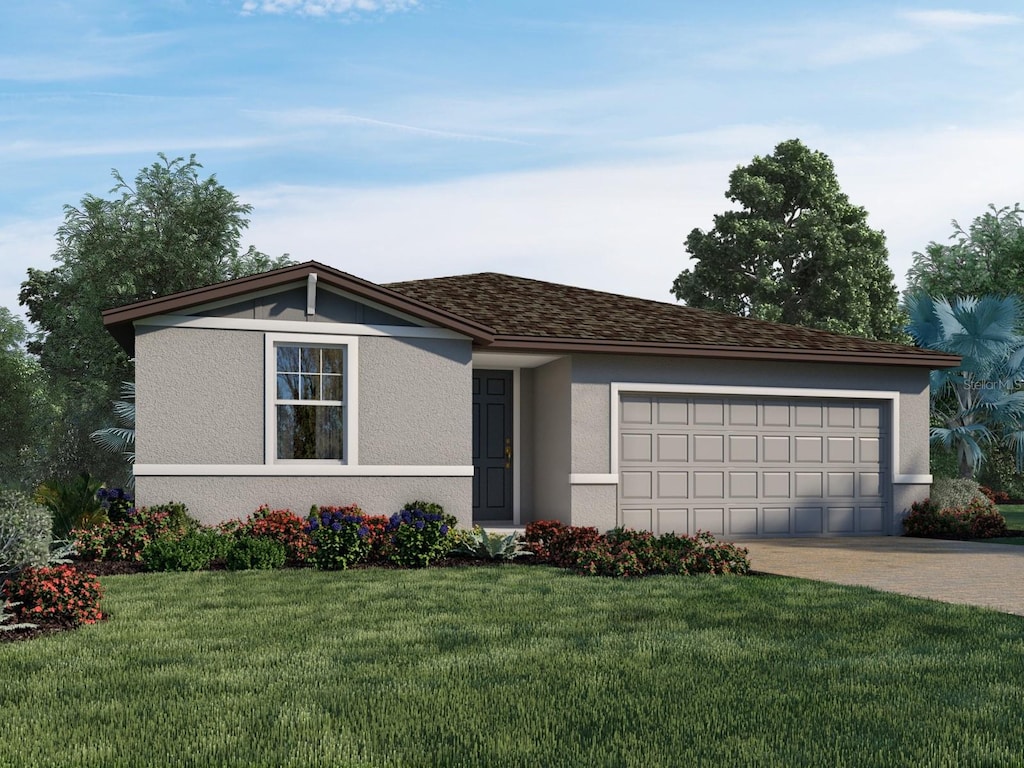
[[574, 141]]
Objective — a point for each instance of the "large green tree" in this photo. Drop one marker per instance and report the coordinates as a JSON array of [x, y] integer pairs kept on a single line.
[[169, 230], [26, 416], [795, 251], [986, 258]]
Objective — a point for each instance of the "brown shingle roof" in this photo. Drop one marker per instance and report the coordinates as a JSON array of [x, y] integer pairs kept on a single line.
[[525, 313], [501, 312]]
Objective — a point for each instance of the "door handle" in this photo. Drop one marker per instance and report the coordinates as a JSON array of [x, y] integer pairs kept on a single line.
[[508, 453]]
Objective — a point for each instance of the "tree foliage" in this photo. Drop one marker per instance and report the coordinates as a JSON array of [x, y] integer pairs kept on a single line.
[[986, 258], [978, 403], [26, 414], [170, 230], [797, 251]]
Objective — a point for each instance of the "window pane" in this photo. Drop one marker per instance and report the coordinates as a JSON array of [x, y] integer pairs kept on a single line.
[[309, 387], [309, 432], [288, 359], [334, 359], [310, 359], [333, 389], [287, 387]]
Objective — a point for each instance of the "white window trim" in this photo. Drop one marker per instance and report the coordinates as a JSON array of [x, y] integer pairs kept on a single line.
[[619, 388], [350, 387]]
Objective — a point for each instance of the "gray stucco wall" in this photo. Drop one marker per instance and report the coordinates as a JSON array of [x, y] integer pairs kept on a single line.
[[200, 400], [215, 499], [527, 441], [552, 438], [199, 396]]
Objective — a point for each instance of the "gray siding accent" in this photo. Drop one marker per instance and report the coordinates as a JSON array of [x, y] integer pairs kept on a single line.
[[199, 396], [552, 440], [291, 305], [215, 499]]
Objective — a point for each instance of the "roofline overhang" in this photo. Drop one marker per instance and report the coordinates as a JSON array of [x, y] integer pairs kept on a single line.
[[119, 321], [918, 359]]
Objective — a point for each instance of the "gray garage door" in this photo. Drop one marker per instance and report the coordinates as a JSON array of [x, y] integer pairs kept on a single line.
[[753, 467]]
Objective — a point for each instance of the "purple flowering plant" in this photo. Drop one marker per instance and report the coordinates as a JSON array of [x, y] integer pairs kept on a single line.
[[420, 534], [341, 536]]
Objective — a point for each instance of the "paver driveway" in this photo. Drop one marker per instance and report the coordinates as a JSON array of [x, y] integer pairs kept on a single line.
[[990, 575]]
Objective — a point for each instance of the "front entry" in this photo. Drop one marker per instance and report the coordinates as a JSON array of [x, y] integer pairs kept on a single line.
[[492, 445]]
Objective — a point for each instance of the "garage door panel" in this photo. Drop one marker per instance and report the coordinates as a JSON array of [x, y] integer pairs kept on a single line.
[[673, 520], [636, 447], [709, 448], [638, 519], [637, 484], [808, 520], [840, 519], [672, 448], [753, 467], [709, 485], [743, 521], [709, 519]]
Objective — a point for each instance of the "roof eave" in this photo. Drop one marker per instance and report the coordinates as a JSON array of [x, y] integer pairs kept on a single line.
[[920, 359], [119, 321]]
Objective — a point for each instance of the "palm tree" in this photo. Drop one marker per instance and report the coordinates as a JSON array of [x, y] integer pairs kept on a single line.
[[121, 439], [980, 402]]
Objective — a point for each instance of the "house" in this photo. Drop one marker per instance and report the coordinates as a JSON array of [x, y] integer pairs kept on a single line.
[[509, 400]]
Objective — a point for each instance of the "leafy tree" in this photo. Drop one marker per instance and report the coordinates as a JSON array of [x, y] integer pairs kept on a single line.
[[978, 403], [26, 413], [169, 231], [797, 251], [986, 258]]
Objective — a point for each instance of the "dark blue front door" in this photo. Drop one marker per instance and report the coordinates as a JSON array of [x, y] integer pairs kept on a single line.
[[492, 445]]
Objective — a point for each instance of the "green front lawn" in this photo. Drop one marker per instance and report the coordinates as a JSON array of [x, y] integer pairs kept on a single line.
[[513, 666], [1014, 514]]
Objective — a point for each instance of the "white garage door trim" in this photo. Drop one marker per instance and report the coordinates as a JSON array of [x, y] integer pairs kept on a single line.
[[893, 398]]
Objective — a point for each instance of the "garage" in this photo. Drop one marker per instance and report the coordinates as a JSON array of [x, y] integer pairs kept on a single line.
[[752, 467]]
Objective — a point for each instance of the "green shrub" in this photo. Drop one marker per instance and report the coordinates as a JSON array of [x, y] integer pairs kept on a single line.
[[480, 544], [25, 533], [340, 535], [116, 503], [956, 492], [255, 553], [127, 539], [977, 520], [283, 526], [420, 534], [73, 503], [194, 551], [56, 594]]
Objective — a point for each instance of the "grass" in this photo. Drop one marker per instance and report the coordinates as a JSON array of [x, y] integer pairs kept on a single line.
[[1014, 514], [513, 666]]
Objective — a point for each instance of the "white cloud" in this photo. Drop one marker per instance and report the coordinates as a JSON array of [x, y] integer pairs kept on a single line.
[[327, 7], [959, 20]]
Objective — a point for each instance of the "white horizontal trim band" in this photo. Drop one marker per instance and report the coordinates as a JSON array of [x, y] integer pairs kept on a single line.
[[912, 479], [298, 470], [297, 326], [595, 479], [719, 389]]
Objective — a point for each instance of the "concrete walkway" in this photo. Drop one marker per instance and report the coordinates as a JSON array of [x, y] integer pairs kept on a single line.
[[988, 575]]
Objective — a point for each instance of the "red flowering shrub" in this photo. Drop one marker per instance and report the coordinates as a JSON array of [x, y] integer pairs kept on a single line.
[[555, 543], [127, 538], [978, 520], [284, 527], [59, 594], [996, 497], [624, 552]]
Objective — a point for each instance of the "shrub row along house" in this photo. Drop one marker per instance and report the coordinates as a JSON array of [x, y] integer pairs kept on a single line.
[[510, 400]]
